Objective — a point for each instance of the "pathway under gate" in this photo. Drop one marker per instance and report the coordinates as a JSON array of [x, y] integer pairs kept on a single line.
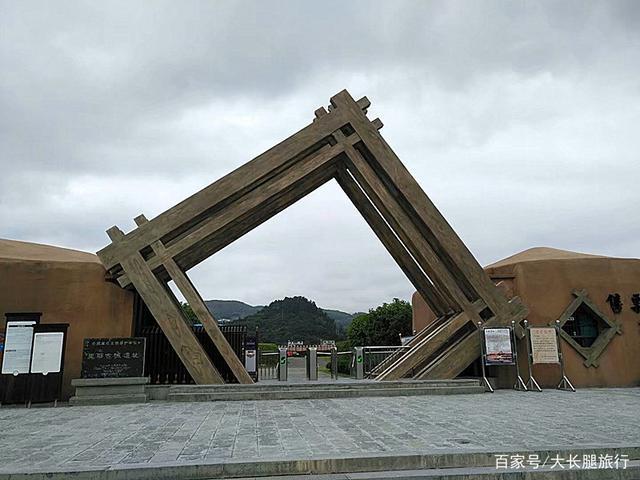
[[165, 440]]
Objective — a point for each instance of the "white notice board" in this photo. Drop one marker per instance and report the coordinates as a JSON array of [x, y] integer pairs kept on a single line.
[[544, 345], [17, 347], [47, 352]]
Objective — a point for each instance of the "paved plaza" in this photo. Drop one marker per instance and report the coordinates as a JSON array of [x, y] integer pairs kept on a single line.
[[164, 433]]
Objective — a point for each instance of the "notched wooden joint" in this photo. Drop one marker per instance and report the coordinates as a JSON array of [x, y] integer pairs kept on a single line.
[[115, 233], [140, 219], [364, 104], [321, 112]]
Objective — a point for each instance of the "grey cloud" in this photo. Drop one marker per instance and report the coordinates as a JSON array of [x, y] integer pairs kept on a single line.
[[518, 118]]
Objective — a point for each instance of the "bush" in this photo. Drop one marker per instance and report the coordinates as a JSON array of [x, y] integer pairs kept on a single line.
[[268, 360], [268, 347]]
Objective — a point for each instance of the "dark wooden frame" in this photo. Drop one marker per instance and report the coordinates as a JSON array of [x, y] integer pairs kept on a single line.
[[343, 144], [592, 353]]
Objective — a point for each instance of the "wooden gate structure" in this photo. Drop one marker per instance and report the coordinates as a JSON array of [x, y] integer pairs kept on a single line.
[[343, 144]]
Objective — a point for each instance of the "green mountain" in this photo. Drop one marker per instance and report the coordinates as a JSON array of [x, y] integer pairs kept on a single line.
[[236, 310], [342, 319], [292, 318], [231, 309]]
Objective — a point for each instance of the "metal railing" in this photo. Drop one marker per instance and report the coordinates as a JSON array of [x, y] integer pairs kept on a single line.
[[377, 356], [373, 357], [267, 365]]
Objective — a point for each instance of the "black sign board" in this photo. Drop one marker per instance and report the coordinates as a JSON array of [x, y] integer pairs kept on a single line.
[[113, 357], [250, 343]]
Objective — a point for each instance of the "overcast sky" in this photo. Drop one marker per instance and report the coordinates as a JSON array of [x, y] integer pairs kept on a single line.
[[521, 121]]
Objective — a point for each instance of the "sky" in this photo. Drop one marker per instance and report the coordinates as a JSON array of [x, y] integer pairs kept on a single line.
[[520, 120]]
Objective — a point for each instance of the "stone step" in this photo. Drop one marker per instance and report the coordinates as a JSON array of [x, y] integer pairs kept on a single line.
[[83, 400], [369, 385], [315, 393]]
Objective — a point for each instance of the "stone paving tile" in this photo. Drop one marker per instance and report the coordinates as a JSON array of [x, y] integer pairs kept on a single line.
[[160, 433]]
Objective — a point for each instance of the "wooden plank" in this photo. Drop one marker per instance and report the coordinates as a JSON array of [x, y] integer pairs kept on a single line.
[[458, 358], [165, 309], [393, 245], [255, 218], [448, 244], [424, 349], [201, 311], [196, 302], [256, 199], [246, 177], [244, 224], [403, 227]]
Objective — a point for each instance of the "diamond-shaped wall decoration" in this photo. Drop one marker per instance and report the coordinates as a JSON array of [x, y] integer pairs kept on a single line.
[[583, 339]]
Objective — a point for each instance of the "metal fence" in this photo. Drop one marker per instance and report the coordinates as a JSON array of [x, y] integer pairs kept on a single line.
[[376, 358], [163, 366], [267, 365]]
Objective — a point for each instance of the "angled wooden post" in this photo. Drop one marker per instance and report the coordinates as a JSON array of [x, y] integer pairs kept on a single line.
[[392, 243], [193, 298], [169, 316]]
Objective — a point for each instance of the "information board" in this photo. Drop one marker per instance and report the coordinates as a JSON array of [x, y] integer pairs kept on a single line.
[[544, 345], [47, 352], [113, 357], [498, 346], [250, 355], [17, 347]]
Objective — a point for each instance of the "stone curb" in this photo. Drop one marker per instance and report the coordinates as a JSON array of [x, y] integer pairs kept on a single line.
[[311, 393], [632, 472], [318, 465]]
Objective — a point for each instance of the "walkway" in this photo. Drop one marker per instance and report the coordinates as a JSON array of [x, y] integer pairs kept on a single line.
[[77, 438]]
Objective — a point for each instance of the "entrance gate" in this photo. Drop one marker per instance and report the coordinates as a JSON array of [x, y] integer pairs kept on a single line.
[[343, 144]]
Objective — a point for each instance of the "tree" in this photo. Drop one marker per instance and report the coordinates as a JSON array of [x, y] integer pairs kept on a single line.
[[188, 312], [358, 331], [382, 325]]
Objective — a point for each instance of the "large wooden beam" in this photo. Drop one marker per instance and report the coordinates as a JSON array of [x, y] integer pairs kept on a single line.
[[254, 201], [255, 218], [201, 311], [458, 358], [430, 221], [168, 314], [397, 218], [228, 188], [425, 348], [393, 245]]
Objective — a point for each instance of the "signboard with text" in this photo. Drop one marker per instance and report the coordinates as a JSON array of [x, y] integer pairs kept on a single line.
[[17, 347], [498, 346], [544, 345], [47, 352], [113, 357]]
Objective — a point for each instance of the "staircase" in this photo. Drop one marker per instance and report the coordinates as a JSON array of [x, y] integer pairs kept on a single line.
[[284, 391]]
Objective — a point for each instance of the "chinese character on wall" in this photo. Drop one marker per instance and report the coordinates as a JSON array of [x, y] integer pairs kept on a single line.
[[615, 302], [635, 300]]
